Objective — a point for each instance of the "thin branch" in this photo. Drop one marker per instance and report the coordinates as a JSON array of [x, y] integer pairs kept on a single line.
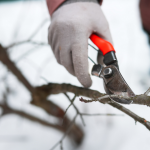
[[147, 92], [31, 37], [98, 99], [75, 108], [132, 115], [69, 107], [67, 132], [38, 28], [27, 53], [44, 79], [27, 41], [85, 114], [38, 43], [123, 109]]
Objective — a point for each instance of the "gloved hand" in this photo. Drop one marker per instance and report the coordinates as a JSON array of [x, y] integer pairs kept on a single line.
[[71, 26]]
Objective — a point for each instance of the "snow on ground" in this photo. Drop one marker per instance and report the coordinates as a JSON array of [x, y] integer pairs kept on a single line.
[[18, 20]]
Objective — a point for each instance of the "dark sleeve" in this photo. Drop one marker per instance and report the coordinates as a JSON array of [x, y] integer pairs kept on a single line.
[[145, 14]]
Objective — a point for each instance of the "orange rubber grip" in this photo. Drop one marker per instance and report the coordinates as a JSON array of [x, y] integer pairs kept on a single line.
[[102, 44]]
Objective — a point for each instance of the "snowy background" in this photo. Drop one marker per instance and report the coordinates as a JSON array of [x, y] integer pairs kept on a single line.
[[18, 20]]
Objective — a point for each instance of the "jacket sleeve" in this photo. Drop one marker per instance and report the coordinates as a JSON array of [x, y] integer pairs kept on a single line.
[[54, 4], [145, 14]]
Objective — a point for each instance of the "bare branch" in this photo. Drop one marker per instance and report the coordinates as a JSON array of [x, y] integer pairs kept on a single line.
[[39, 98], [132, 115], [53, 88], [32, 35], [27, 41], [8, 110], [27, 53], [84, 114], [38, 28], [98, 99], [123, 109], [147, 92], [69, 105], [4, 58], [75, 107], [63, 137]]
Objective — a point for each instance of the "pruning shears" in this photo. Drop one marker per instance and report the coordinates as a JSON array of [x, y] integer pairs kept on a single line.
[[114, 83]]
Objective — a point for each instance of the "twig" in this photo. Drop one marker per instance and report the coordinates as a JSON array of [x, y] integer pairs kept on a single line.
[[63, 137], [26, 53], [38, 43], [31, 37], [44, 79], [147, 92], [84, 114], [69, 107], [132, 115], [38, 28], [61, 145], [98, 99], [123, 109], [27, 41], [75, 108]]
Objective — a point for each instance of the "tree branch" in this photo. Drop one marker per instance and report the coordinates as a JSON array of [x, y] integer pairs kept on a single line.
[[132, 115], [147, 92], [27, 41], [8, 110], [53, 88], [31, 37], [39, 98], [4, 58], [71, 101], [67, 132]]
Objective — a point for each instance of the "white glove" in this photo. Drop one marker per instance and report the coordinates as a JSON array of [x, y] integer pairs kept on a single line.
[[71, 26]]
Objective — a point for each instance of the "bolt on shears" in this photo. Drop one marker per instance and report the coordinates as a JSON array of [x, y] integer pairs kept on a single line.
[[114, 83]]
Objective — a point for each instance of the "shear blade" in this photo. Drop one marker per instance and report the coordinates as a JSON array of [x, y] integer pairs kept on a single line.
[[118, 100], [116, 85], [121, 100]]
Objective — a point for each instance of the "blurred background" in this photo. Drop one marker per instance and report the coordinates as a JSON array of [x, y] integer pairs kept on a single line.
[[21, 19]]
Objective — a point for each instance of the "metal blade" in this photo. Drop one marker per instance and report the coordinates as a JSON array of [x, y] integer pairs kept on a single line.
[[115, 84]]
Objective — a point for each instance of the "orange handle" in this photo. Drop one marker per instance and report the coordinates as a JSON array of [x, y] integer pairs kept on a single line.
[[102, 44]]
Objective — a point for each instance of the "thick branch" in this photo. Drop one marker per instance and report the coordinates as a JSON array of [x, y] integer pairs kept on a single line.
[[54, 88], [7, 110], [75, 133]]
